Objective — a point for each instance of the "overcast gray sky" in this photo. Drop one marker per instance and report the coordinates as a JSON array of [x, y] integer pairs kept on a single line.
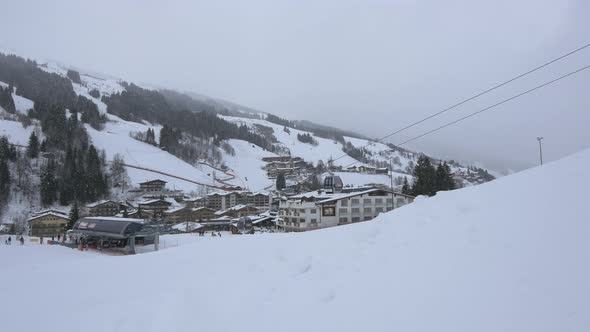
[[368, 65]]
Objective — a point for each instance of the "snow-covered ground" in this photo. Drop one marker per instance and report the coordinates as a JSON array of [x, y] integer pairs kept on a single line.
[[492, 257], [15, 131], [22, 104]]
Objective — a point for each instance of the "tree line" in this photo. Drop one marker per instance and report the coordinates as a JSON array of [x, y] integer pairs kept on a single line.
[[428, 179]]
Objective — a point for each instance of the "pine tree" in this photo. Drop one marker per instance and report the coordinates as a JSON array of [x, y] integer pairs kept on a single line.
[[444, 178], [281, 183], [424, 177], [33, 148], [48, 185], [6, 100], [95, 180], [406, 190], [74, 215], [4, 176]]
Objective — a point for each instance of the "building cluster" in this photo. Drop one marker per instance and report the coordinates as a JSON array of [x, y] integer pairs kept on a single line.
[[366, 169], [286, 165], [336, 205], [122, 224]]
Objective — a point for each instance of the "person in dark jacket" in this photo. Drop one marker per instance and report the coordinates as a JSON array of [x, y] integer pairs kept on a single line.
[[22, 240]]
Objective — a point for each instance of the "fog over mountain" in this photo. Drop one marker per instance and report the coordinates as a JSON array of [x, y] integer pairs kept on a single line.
[[371, 66]]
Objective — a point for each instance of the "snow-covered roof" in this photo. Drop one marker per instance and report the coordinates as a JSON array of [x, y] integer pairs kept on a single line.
[[50, 210], [50, 213], [184, 225], [202, 208], [116, 219], [95, 204], [153, 201], [234, 208], [175, 209], [152, 181], [193, 199]]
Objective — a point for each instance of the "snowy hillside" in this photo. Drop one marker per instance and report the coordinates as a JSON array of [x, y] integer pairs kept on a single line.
[[246, 168], [325, 149], [484, 258]]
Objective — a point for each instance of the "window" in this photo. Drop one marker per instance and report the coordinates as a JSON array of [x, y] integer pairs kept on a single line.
[[367, 201], [313, 211], [378, 210], [356, 219], [302, 220], [401, 201], [344, 202], [378, 201], [356, 210], [302, 211], [368, 210], [343, 211], [356, 201], [368, 218], [314, 221], [329, 211], [343, 220]]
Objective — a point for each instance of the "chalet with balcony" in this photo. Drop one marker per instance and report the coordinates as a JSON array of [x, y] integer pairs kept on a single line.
[[105, 208], [155, 206]]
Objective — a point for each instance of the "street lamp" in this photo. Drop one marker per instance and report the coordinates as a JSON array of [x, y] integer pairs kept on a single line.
[[540, 149]]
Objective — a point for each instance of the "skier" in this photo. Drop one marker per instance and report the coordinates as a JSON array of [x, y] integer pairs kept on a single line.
[[22, 240], [9, 240]]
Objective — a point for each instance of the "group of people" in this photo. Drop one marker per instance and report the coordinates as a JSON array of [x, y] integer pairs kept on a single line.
[[9, 240], [21, 239]]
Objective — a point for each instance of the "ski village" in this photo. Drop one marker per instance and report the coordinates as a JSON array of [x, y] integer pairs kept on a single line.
[[117, 186], [130, 207]]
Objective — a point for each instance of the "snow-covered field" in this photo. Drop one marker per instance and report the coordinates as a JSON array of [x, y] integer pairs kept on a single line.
[[509, 255]]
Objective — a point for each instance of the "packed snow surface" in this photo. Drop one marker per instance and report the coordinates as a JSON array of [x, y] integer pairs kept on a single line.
[[509, 255]]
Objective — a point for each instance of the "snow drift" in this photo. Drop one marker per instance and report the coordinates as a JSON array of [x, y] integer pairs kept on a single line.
[[510, 255]]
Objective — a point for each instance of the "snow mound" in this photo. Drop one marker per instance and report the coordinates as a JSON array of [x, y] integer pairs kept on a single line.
[[510, 255]]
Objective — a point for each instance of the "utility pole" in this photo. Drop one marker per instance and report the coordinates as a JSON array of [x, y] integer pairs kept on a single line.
[[540, 149], [391, 179]]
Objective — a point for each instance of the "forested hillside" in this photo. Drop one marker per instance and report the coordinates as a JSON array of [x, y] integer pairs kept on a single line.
[[68, 133]]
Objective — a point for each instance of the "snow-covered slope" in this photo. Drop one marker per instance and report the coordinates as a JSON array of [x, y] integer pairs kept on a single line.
[[15, 132], [509, 255], [247, 165], [325, 149], [114, 138]]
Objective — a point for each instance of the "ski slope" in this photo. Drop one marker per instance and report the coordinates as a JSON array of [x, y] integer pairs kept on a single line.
[[325, 149], [493, 257], [248, 166], [115, 139]]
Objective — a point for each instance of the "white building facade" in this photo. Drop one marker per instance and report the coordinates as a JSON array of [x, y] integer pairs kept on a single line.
[[316, 210]]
